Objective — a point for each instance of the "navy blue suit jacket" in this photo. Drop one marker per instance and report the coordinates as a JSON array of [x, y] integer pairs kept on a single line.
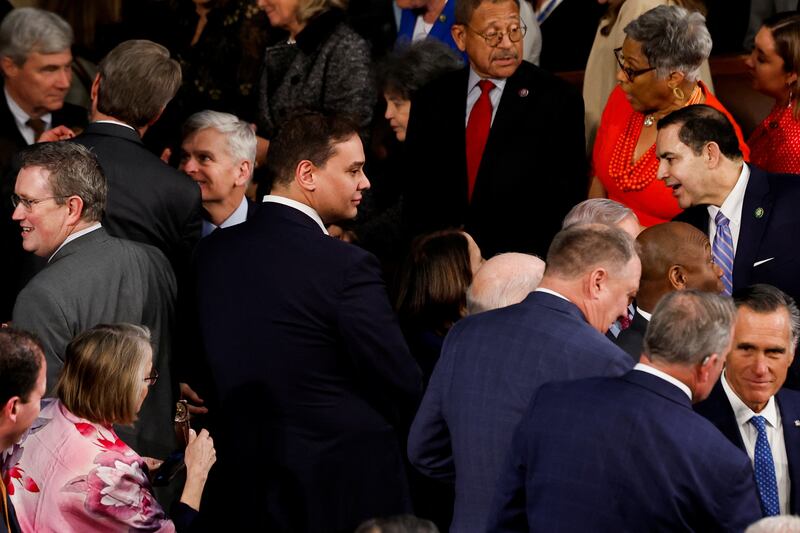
[[767, 250], [717, 409], [491, 366], [622, 454], [311, 374]]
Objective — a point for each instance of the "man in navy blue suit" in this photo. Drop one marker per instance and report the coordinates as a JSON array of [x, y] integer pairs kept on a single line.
[[312, 379], [764, 342], [493, 362], [628, 453], [754, 213]]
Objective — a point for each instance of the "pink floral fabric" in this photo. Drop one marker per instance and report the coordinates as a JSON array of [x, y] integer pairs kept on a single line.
[[72, 475]]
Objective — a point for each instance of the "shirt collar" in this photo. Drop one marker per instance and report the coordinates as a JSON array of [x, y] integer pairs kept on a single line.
[[117, 122], [499, 83], [303, 208], [666, 377], [732, 206], [21, 117], [743, 413], [549, 291], [647, 316], [238, 216], [74, 236]]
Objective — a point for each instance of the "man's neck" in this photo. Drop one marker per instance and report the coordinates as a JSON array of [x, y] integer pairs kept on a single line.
[[729, 173], [218, 212], [32, 112], [97, 116]]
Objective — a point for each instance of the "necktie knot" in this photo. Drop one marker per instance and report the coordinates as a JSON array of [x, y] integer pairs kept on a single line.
[[485, 86], [37, 125], [759, 422], [721, 220]]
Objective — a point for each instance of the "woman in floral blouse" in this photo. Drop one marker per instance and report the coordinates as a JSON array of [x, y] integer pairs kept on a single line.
[[73, 473]]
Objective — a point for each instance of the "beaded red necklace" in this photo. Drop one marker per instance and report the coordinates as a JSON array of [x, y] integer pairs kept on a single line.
[[635, 177]]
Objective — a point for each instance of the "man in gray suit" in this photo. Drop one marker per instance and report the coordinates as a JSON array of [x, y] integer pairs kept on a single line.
[[90, 277]]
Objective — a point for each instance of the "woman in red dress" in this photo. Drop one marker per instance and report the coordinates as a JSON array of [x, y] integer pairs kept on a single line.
[[774, 64], [659, 62]]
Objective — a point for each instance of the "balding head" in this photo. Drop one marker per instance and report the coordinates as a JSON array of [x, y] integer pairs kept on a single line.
[[675, 256], [504, 280]]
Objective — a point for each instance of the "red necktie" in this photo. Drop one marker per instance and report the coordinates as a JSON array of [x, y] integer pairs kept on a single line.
[[480, 120]]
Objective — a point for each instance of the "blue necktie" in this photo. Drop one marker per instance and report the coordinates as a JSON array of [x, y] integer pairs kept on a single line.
[[722, 251], [765, 471]]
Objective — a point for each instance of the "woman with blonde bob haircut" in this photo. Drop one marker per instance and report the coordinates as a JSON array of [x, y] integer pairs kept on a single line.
[[75, 472]]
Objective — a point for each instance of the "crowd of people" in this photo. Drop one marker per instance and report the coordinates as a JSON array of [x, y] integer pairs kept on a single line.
[[266, 272]]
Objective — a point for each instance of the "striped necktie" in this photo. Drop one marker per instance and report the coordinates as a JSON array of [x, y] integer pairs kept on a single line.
[[722, 251]]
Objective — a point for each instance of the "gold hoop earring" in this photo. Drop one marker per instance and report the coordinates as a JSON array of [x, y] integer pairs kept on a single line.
[[790, 102], [678, 93]]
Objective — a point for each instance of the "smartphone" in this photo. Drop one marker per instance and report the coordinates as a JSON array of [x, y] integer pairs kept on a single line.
[[168, 470]]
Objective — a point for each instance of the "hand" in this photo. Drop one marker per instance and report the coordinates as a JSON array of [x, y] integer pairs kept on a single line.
[[152, 464], [59, 133], [262, 147], [166, 154], [195, 401], [337, 232], [199, 457]]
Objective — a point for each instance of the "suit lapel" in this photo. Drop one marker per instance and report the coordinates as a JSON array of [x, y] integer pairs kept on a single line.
[[791, 436], [752, 229], [717, 409]]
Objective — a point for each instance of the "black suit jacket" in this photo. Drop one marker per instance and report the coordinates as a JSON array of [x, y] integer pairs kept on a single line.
[[312, 377], [717, 409], [16, 263], [148, 201], [532, 172], [632, 339], [767, 250]]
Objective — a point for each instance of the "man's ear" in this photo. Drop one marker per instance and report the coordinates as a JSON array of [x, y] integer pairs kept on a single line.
[[10, 68], [75, 206], [597, 280], [245, 172], [677, 277], [93, 92], [712, 154], [10, 409], [304, 175], [703, 372], [459, 34]]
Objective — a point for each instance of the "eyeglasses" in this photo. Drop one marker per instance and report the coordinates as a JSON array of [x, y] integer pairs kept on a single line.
[[28, 204], [152, 378], [493, 38], [629, 72]]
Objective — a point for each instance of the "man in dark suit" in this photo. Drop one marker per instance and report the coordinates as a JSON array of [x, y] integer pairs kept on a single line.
[[493, 362], [23, 370], [311, 374], [495, 147], [148, 201], [90, 277], [628, 453], [675, 256], [750, 216], [36, 61], [764, 342], [218, 153]]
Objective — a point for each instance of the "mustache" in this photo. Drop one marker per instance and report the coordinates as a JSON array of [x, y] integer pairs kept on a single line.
[[505, 54]]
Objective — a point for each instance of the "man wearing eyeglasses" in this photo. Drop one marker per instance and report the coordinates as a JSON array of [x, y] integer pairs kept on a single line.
[[496, 147], [90, 277]]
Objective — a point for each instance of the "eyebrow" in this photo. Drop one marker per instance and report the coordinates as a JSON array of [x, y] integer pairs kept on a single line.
[[356, 165], [771, 349]]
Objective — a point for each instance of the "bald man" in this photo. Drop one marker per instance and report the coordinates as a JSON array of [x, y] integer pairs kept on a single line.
[[504, 280], [675, 256]]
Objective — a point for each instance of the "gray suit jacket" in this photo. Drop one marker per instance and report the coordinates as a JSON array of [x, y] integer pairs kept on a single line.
[[102, 279]]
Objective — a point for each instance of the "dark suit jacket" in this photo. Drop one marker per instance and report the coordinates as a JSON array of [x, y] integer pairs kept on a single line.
[[148, 201], [18, 269], [717, 409], [769, 239], [312, 377], [632, 339], [622, 454], [532, 172], [491, 365]]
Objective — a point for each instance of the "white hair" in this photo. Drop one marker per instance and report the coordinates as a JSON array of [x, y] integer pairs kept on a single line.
[[504, 280]]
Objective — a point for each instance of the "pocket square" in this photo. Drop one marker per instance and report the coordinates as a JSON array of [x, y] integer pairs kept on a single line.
[[762, 261]]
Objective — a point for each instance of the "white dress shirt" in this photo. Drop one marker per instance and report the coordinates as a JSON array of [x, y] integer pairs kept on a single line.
[[21, 118], [74, 236], [749, 434], [475, 92], [238, 216], [549, 291], [641, 367], [303, 208], [731, 208]]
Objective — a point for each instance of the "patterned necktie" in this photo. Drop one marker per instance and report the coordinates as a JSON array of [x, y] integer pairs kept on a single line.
[[765, 470], [37, 125], [480, 120], [722, 251]]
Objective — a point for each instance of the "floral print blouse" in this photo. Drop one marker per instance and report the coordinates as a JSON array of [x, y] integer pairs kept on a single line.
[[70, 474]]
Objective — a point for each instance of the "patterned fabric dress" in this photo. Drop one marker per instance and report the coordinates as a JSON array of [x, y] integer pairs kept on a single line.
[[775, 143]]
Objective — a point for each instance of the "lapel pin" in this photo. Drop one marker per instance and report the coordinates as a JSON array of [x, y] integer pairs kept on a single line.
[[442, 18], [759, 212], [523, 92], [797, 423]]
